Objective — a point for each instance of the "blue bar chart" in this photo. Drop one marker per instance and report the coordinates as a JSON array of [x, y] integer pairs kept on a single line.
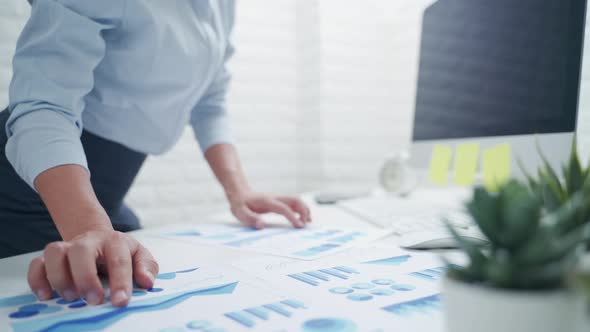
[[314, 278], [249, 317]]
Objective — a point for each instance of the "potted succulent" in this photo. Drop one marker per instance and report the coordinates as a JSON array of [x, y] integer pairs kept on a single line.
[[521, 280], [555, 191]]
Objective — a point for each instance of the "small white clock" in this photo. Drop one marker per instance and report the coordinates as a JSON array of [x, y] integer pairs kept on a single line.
[[396, 176]]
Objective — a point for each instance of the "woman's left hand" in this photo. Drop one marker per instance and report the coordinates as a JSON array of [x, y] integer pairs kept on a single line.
[[249, 206]]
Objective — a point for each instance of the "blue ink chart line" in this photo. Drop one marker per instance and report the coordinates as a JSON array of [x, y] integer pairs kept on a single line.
[[101, 318]]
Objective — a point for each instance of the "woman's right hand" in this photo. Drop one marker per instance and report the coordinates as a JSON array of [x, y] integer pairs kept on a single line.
[[72, 267]]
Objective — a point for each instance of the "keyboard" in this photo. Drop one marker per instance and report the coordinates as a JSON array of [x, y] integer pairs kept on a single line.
[[417, 220]]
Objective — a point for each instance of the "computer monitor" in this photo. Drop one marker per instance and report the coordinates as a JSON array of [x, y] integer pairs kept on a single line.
[[497, 72]]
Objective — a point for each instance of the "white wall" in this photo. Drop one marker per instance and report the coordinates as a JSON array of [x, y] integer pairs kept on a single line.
[[178, 186], [584, 105], [13, 14], [323, 90]]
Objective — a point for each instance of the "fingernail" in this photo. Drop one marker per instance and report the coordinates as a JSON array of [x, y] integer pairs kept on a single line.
[[259, 224], [42, 294], [119, 297], [150, 275], [69, 295], [92, 298]]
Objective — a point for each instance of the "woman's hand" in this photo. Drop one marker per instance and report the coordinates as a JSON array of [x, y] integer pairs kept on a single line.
[[72, 267], [245, 204], [248, 206]]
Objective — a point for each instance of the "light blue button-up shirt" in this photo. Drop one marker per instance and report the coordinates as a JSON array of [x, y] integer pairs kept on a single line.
[[133, 71]]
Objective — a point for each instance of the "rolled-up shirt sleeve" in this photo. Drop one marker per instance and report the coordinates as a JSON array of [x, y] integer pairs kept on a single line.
[[209, 119], [56, 54]]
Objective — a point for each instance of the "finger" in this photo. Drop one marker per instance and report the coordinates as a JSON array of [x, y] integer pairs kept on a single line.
[[82, 258], [281, 208], [57, 270], [117, 256], [248, 217], [145, 267], [298, 206], [37, 279]]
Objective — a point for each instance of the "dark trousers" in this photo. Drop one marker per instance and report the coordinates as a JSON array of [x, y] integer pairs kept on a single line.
[[25, 223]]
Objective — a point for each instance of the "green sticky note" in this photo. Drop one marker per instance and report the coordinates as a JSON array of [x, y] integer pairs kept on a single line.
[[440, 163], [496, 166], [466, 157]]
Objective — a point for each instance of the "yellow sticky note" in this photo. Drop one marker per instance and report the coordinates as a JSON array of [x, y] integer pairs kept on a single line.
[[466, 157], [496, 166], [440, 162]]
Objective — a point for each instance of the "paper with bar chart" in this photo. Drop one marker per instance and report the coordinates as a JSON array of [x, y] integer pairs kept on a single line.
[[195, 299], [307, 244], [170, 302], [394, 287]]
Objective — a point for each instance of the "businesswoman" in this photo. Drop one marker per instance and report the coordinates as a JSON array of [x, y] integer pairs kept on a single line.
[[97, 86]]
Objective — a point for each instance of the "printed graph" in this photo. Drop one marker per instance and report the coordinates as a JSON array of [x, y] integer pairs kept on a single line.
[[423, 306], [391, 261], [98, 318], [249, 317], [306, 244], [314, 278], [26, 314], [330, 324], [321, 234], [354, 291], [432, 274]]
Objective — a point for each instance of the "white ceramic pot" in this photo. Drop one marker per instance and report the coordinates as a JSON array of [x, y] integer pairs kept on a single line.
[[470, 308]]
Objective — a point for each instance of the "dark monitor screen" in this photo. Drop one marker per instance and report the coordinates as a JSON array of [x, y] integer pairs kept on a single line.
[[499, 67]]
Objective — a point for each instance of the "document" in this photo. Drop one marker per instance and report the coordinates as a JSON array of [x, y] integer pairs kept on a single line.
[[396, 288], [227, 299], [306, 244]]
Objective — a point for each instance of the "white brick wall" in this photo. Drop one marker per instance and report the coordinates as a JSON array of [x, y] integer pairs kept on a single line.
[[322, 91]]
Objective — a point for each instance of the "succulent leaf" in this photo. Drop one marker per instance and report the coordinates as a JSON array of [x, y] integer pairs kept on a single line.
[[574, 174], [520, 215], [551, 191], [545, 249], [566, 217], [533, 184], [484, 209], [499, 273]]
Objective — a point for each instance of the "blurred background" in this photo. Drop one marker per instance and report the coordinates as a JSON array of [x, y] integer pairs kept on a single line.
[[322, 92]]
